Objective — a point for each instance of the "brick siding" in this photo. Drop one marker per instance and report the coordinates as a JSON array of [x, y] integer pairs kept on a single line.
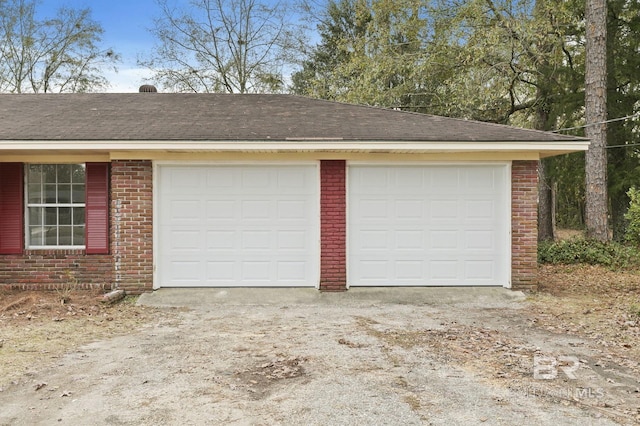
[[524, 225], [131, 225], [55, 269], [333, 225], [130, 264]]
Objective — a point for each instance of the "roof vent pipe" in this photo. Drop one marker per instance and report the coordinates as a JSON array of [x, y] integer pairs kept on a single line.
[[147, 88]]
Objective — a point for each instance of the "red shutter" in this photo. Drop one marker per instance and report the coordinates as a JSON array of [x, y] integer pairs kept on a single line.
[[11, 208], [97, 211]]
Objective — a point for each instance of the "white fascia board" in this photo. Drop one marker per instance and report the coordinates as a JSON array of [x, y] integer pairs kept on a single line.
[[294, 146]]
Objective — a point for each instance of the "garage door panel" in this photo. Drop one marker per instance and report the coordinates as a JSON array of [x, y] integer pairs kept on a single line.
[[179, 181], [483, 180], [256, 270], [292, 240], [292, 209], [255, 209], [220, 209], [256, 240], [443, 209], [291, 271], [410, 269], [444, 180], [244, 226], [220, 179], [252, 179], [188, 241], [220, 272], [293, 181], [189, 271], [372, 208], [184, 211], [479, 240], [480, 209], [374, 270], [427, 225], [409, 209], [442, 271], [411, 239], [408, 180], [221, 240], [479, 270], [443, 239], [375, 239]]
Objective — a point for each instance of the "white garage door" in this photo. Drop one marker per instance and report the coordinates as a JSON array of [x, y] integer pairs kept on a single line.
[[224, 226], [428, 225]]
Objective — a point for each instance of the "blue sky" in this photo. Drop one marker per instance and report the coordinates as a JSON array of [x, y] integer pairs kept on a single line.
[[125, 24]]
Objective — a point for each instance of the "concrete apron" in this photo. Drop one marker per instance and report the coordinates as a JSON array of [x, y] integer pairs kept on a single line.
[[203, 298]]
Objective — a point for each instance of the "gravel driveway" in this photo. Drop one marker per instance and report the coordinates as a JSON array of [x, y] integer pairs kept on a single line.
[[248, 359]]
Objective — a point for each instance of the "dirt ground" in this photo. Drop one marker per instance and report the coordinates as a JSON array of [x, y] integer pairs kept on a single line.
[[567, 355]]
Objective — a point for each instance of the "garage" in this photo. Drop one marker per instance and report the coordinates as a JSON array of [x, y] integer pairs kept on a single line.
[[236, 225], [428, 225]]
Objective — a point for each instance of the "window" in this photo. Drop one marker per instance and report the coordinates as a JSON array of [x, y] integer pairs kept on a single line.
[[55, 195]]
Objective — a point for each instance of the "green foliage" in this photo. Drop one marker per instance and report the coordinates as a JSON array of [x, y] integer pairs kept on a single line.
[[371, 52], [567, 174], [632, 234], [588, 251], [518, 62]]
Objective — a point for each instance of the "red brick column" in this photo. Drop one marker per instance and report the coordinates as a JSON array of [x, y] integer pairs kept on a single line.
[[333, 225], [132, 225], [524, 225]]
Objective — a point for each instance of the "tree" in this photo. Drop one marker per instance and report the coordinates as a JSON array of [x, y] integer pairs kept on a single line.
[[596, 117], [233, 46], [59, 54], [623, 99], [340, 26], [371, 52], [519, 62]]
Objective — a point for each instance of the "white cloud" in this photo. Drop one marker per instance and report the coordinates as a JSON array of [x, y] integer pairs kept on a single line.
[[127, 80]]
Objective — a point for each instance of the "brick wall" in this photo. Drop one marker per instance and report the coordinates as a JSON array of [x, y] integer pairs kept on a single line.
[[130, 264], [524, 225], [54, 269], [333, 231], [131, 225]]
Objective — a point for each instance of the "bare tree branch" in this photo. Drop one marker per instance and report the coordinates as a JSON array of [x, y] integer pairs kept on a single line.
[[221, 45], [58, 54]]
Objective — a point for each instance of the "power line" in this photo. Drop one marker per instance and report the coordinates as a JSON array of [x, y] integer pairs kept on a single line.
[[599, 123], [622, 146]]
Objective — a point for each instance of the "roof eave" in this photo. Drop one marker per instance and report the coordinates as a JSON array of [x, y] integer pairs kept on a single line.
[[544, 148]]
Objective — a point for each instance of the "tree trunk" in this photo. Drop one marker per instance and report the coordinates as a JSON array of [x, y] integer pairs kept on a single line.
[[543, 122], [596, 115], [545, 206], [622, 162]]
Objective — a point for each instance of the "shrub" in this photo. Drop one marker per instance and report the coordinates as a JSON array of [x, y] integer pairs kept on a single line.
[[592, 252], [632, 233]]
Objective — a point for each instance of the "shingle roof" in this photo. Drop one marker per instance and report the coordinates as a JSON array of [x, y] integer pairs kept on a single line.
[[174, 117]]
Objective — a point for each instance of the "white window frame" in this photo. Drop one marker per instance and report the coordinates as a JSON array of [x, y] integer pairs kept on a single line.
[[29, 205]]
